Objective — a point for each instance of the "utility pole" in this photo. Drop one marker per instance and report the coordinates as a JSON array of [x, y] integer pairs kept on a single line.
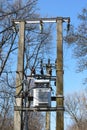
[[18, 114], [19, 77], [59, 77], [47, 121]]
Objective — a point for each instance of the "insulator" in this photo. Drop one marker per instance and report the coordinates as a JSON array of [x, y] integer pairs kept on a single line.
[[55, 83], [68, 25], [33, 71], [41, 71], [41, 26], [50, 71], [48, 68]]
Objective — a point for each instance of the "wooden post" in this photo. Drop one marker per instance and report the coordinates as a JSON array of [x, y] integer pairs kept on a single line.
[[19, 77], [59, 74], [47, 120]]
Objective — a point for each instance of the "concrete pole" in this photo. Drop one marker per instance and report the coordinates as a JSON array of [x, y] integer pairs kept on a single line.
[[19, 77], [47, 120], [59, 74]]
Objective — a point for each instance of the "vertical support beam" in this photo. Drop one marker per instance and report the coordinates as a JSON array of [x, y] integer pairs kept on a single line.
[[59, 74], [47, 120], [19, 77]]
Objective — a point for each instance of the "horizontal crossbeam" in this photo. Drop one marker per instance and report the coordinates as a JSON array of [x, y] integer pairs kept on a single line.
[[37, 76], [30, 98], [44, 20], [60, 108], [53, 98]]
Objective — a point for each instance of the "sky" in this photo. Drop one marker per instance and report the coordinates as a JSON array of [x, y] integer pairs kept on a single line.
[[66, 8]]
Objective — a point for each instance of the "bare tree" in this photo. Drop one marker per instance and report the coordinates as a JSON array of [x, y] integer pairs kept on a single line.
[[80, 50], [77, 37], [8, 38], [34, 44], [76, 109]]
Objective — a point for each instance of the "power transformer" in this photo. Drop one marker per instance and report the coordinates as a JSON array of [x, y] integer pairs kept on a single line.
[[42, 93]]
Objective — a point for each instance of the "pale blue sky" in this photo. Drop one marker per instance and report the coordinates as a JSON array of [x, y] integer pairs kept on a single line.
[[63, 8]]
